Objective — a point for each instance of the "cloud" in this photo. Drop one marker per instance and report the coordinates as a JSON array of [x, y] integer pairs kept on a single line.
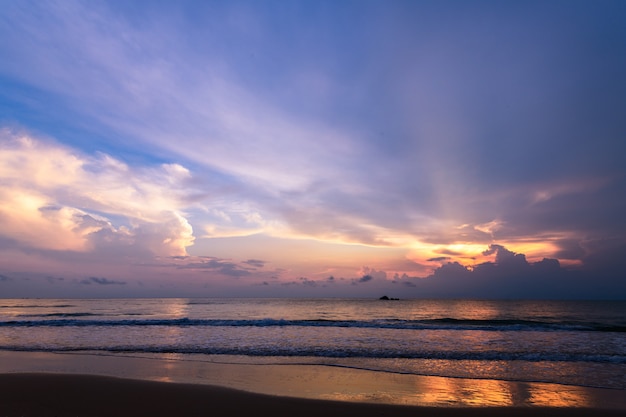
[[256, 263], [304, 161], [365, 278], [101, 281], [216, 265], [283, 139], [510, 275], [368, 275], [308, 282], [438, 259], [506, 258], [156, 73], [54, 280], [58, 199], [372, 273]]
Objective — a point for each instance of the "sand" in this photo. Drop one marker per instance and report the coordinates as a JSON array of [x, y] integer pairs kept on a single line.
[[59, 395], [95, 384]]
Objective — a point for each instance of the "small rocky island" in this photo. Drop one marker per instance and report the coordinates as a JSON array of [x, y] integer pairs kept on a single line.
[[384, 297]]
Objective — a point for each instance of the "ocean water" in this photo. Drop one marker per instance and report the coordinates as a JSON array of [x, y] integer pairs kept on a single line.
[[579, 343]]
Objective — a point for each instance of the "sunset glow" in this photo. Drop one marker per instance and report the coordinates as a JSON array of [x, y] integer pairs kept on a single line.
[[316, 150]]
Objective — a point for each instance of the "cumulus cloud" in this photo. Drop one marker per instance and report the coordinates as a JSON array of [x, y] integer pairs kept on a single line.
[[506, 258], [56, 198], [368, 274], [511, 275], [433, 172], [365, 278], [159, 76]]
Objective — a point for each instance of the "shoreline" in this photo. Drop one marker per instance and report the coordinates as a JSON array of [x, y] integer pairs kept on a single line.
[[64, 395], [305, 382]]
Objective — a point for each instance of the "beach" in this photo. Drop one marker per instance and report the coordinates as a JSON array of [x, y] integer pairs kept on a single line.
[[58, 395], [83, 357], [49, 384], [312, 207]]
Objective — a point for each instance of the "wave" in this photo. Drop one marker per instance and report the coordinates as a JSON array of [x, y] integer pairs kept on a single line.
[[432, 324], [37, 306], [78, 314], [60, 315], [267, 351]]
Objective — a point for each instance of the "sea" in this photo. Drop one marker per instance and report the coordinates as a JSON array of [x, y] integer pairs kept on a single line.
[[580, 343]]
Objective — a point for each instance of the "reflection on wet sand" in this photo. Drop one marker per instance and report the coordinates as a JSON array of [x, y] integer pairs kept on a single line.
[[442, 392], [563, 397], [321, 382], [487, 393], [460, 392]]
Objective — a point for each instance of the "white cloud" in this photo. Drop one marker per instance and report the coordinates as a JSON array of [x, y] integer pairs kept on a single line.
[[57, 199], [152, 86], [28, 219], [240, 220], [407, 155]]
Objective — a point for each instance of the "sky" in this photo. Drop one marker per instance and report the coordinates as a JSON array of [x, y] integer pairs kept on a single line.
[[313, 149]]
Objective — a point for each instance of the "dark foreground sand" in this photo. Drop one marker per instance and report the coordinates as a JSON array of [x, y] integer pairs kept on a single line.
[[58, 395]]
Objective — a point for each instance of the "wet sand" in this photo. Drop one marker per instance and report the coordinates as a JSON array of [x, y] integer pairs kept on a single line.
[[47, 395], [78, 384]]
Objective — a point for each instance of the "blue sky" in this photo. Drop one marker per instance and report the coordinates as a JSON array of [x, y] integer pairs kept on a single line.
[[304, 148]]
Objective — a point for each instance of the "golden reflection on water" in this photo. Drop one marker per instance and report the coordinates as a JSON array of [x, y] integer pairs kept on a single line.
[[319, 382], [451, 392], [462, 392], [569, 396], [167, 369], [175, 309]]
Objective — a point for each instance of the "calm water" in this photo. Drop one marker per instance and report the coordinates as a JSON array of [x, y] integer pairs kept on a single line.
[[578, 343]]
